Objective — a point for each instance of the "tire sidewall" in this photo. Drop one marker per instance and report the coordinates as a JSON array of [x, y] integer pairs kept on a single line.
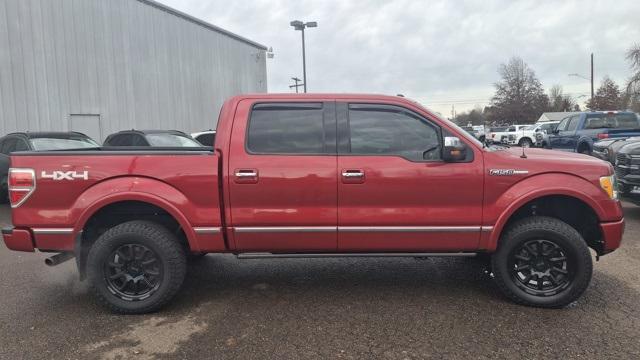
[[576, 256], [101, 252]]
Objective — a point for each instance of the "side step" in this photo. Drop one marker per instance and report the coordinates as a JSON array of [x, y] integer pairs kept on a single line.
[[347, 255]]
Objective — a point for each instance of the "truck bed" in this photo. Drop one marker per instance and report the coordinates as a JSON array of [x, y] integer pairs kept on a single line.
[[180, 181]]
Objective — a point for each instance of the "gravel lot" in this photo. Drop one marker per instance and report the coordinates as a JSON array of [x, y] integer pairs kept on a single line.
[[346, 308]]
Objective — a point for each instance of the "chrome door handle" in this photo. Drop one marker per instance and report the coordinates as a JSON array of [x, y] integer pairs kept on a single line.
[[353, 174], [246, 174]]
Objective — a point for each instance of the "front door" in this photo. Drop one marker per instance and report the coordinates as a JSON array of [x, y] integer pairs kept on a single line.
[[282, 177], [395, 193]]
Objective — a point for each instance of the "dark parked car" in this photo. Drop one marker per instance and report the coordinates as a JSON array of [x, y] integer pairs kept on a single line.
[[27, 141], [628, 172], [578, 132], [153, 138], [607, 149], [206, 138]]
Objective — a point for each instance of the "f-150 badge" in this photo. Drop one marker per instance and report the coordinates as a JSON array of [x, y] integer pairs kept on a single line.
[[507, 172], [65, 175]]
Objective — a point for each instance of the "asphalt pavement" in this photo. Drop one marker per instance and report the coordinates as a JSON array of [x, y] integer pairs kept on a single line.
[[319, 309]]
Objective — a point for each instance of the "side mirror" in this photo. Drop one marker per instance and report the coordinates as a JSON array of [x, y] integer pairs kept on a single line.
[[555, 131], [454, 149]]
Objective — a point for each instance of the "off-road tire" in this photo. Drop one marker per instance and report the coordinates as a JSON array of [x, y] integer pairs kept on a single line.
[[153, 236], [551, 230]]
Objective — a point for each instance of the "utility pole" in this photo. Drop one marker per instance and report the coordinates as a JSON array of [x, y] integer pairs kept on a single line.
[[592, 76], [296, 86]]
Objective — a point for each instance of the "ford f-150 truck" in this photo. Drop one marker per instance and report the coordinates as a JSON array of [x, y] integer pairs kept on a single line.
[[317, 176]]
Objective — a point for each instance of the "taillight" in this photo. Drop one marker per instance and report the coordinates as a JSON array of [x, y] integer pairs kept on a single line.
[[603, 136], [21, 184]]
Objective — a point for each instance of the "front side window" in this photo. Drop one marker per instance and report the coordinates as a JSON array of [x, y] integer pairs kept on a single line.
[[563, 124], [296, 128], [392, 131]]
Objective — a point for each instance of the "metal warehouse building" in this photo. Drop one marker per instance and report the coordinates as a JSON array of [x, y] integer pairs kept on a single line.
[[99, 66]]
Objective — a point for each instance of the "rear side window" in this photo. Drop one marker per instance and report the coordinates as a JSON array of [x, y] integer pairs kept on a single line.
[[286, 129], [573, 123], [8, 145], [120, 140], [206, 139]]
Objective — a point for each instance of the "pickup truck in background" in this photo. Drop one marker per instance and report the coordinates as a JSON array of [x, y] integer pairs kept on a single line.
[[311, 176], [526, 136], [628, 171], [577, 133]]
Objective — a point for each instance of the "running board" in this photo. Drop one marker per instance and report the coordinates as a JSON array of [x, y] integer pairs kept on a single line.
[[347, 255]]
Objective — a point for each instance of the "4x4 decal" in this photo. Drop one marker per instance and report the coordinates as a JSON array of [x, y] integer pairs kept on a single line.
[[65, 175]]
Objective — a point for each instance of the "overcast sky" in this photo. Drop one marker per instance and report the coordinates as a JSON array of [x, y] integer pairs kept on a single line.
[[441, 53]]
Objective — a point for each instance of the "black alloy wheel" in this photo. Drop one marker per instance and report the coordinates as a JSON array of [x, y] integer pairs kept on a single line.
[[541, 267], [133, 272], [542, 261]]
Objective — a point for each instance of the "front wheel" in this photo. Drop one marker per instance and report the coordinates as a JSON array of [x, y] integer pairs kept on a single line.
[[525, 142], [136, 267], [542, 262]]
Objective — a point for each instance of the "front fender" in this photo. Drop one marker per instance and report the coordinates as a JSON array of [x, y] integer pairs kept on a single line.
[[130, 188], [500, 211]]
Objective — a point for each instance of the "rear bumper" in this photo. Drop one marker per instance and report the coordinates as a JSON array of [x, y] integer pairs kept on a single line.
[[18, 239], [612, 235]]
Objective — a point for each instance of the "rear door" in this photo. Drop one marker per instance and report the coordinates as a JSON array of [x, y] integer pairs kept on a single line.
[[282, 176], [395, 193]]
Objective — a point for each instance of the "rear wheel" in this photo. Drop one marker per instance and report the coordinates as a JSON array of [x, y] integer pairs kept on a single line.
[[542, 262], [584, 150], [136, 267]]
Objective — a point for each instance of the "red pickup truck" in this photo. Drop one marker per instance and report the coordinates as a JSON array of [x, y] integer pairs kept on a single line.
[[317, 176]]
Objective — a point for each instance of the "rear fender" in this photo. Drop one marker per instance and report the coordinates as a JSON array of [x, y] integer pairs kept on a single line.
[[539, 186], [133, 189]]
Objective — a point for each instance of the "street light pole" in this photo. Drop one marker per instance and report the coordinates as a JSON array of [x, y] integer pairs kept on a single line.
[[592, 76], [304, 64], [299, 25]]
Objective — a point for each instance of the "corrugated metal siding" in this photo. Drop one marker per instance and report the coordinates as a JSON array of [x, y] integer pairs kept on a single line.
[[134, 64]]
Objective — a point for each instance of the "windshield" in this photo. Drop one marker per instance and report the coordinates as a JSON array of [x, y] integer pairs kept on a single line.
[[171, 140], [528, 127], [62, 143]]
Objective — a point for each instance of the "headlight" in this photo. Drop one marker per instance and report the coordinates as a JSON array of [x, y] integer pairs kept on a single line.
[[608, 184]]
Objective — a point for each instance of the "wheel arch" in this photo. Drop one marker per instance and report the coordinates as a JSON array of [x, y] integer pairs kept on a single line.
[[517, 201], [123, 192]]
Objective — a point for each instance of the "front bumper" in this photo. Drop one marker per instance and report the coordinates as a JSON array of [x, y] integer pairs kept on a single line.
[[18, 239], [612, 235]]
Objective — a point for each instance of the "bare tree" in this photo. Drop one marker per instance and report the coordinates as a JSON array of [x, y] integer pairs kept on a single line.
[[558, 101], [632, 96], [519, 96], [633, 56]]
